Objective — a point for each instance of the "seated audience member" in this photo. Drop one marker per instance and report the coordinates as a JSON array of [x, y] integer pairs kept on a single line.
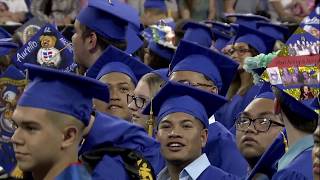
[[12, 12]]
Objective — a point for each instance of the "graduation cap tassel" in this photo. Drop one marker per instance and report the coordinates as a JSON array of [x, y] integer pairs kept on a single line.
[[150, 121], [285, 142], [27, 76]]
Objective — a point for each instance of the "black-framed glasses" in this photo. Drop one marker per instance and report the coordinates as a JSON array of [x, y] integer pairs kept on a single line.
[[186, 82], [262, 124], [241, 51], [138, 101]]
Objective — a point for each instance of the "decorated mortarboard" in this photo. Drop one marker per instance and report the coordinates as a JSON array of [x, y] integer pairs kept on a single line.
[[134, 42], [193, 57], [248, 20], [267, 163], [277, 31], [30, 28], [260, 41], [199, 33], [6, 47], [47, 48], [115, 60], [163, 73], [176, 97], [109, 18], [155, 4], [295, 107], [12, 83], [5, 35], [62, 92], [265, 91]]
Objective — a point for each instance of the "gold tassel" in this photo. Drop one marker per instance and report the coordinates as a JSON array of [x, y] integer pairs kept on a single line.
[[17, 173], [285, 141], [150, 121]]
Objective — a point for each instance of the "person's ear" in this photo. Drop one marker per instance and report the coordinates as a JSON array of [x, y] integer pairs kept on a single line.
[[70, 136], [92, 40], [204, 137]]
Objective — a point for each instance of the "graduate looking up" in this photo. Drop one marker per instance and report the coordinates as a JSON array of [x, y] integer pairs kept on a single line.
[[49, 121], [182, 130]]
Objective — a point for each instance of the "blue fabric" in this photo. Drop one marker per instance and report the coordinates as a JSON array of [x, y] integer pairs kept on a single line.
[[163, 73], [115, 60], [298, 169], [123, 134], [7, 157], [134, 42], [249, 20], [155, 4], [4, 34], [6, 46], [62, 92], [177, 97], [192, 57], [278, 32], [217, 173], [198, 33], [222, 151], [260, 41], [228, 113], [265, 91], [164, 52], [305, 143], [110, 20], [74, 172]]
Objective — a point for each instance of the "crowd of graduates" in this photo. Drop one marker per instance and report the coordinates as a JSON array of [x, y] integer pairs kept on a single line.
[[169, 101]]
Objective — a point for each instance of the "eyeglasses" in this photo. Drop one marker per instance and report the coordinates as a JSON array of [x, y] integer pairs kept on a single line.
[[259, 124], [138, 101], [186, 82], [240, 51]]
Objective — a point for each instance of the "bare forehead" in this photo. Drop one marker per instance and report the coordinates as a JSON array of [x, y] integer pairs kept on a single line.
[[177, 117], [185, 75], [116, 78], [22, 114], [259, 106]]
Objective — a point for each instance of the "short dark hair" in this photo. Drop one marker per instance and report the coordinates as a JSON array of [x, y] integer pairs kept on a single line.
[[157, 62], [102, 42]]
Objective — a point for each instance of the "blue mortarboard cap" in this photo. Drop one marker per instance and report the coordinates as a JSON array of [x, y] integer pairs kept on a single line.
[[62, 92], [248, 20], [162, 51], [115, 60], [265, 91], [263, 43], [312, 103], [176, 97], [295, 107], [198, 33], [155, 4], [6, 46], [109, 18], [221, 39], [278, 32], [4, 35], [163, 73], [13, 73], [192, 57], [133, 40]]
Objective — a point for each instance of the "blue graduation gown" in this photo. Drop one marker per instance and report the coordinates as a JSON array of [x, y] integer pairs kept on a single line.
[[298, 169], [228, 113], [7, 157], [215, 173], [222, 151], [119, 133], [74, 172]]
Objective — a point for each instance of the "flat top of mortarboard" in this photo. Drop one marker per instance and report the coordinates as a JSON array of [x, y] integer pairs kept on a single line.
[[6, 46], [155, 4], [125, 63], [163, 73], [197, 25], [247, 17], [265, 91], [177, 97], [209, 64], [296, 107], [62, 92], [4, 34]]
